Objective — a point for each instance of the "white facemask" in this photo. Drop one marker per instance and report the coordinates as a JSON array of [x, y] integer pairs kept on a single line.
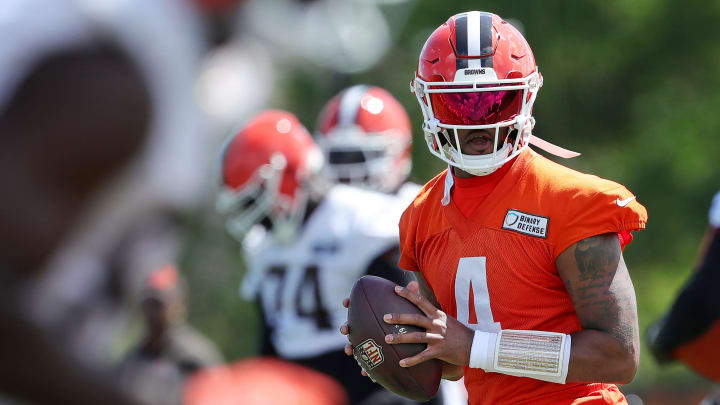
[[483, 164]]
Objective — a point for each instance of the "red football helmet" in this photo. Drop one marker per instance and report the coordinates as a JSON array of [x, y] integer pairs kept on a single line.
[[476, 71], [268, 170], [366, 137]]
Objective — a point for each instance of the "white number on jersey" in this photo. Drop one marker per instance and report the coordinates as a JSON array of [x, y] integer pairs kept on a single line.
[[471, 276], [278, 286]]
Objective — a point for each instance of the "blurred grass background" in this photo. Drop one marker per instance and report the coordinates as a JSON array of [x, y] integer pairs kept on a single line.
[[633, 85]]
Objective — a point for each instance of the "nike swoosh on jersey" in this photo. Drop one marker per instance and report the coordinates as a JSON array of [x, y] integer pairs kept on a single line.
[[624, 202]]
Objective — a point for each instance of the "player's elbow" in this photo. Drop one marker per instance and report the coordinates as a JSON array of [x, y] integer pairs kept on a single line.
[[627, 367]]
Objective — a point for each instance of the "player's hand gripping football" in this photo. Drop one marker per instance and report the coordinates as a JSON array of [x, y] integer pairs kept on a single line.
[[447, 339]]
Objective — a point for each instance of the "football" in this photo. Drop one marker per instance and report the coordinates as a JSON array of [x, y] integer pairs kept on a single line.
[[371, 298]]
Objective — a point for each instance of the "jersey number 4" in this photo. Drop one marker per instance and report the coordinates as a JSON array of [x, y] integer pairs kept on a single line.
[[472, 299]]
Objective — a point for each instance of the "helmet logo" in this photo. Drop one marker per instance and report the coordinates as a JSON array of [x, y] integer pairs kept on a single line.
[[474, 72]]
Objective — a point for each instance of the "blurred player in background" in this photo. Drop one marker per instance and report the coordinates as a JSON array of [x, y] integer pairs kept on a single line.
[[518, 259], [170, 350], [366, 138], [365, 135], [98, 157], [313, 243], [690, 331]]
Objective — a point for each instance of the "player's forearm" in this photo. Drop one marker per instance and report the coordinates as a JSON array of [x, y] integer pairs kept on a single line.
[[597, 356]]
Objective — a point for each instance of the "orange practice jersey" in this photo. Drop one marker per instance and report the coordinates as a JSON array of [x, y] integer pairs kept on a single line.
[[497, 269]]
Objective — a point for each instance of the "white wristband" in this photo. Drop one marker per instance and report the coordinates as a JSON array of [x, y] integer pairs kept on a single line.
[[482, 352], [522, 353]]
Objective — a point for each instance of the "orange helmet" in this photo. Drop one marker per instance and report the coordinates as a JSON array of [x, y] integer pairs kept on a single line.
[[268, 170], [366, 137], [476, 71]]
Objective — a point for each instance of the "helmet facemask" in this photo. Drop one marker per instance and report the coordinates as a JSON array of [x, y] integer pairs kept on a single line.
[[260, 201], [479, 103]]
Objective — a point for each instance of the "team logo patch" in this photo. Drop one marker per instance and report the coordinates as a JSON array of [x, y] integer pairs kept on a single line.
[[528, 224], [369, 354]]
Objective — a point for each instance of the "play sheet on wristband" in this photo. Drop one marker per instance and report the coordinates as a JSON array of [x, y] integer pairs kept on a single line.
[[529, 352]]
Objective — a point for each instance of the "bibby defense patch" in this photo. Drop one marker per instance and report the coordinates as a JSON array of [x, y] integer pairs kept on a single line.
[[528, 224]]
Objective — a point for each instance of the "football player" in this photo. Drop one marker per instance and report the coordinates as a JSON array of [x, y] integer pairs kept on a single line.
[[518, 259], [690, 331], [170, 349], [313, 243]]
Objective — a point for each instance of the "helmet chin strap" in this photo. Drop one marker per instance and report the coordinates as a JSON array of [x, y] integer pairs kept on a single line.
[[527, 123], [552, 148]]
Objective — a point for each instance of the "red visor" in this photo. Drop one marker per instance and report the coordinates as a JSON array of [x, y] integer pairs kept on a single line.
[[476, 108]]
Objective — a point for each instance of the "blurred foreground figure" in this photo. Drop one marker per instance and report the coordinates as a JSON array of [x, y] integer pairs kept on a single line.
[[304, 245], [262, 381], [171, 350], [96, 144], [76, 118], [690, 332]]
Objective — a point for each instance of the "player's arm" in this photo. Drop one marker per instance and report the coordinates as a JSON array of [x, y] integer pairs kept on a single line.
[[597, 279]]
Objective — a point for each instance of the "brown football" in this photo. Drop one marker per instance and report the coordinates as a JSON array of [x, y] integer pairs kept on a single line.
[[370, 299]]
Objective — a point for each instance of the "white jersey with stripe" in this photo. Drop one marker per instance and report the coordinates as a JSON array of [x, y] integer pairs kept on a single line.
[[301, 285], [407, 193]]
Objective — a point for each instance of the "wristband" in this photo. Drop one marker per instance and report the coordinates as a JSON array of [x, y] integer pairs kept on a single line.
[[523, 353]]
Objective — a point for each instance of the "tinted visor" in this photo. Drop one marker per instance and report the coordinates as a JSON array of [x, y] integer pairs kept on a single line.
[[339, 157], [476, 108]]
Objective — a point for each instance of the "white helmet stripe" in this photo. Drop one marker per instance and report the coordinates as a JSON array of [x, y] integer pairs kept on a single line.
[[350, 104], [473, 38]]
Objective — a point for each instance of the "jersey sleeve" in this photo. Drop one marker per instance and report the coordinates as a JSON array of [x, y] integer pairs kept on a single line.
[[408, 230], [587, 214]]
